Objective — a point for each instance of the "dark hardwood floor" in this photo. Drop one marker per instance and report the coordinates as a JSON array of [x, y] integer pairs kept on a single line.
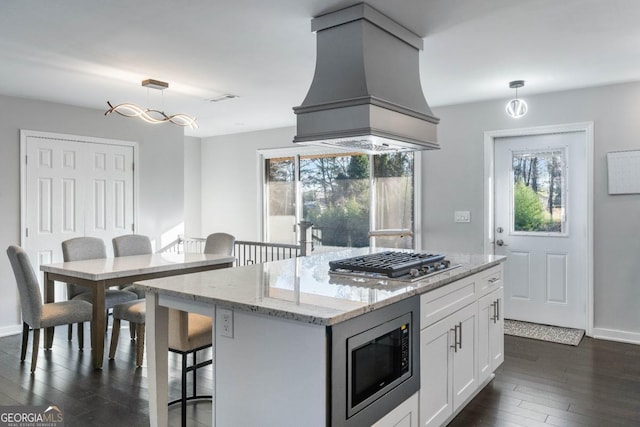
[[539, 384], [115, 396], [545, 384]]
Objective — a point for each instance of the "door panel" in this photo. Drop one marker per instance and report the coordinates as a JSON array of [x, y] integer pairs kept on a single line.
[[540, 219], [520, 262], [75, 188], [557, 278]]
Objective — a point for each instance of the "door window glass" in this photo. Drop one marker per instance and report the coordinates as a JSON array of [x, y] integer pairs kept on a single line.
[[393, 187], [335, 197], [281, 196], [344, 195], [539, 199]]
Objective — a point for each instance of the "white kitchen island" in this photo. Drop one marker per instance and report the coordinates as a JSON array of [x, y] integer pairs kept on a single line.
[[271, 365]]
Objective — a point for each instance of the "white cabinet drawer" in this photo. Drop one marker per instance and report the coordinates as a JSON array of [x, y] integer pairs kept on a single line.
[[441, 302], [489, 280]]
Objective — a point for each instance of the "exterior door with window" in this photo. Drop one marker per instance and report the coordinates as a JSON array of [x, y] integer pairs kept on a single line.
[[541, 226]]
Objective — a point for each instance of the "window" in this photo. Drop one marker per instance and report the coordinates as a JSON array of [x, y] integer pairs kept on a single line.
[[538, 192], [345, 196]]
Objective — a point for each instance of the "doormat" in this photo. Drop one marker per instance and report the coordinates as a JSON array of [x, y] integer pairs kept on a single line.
[[549, 333]]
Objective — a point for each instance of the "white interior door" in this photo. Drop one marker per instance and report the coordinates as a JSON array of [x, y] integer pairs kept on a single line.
[[541, 226], [74, 188]]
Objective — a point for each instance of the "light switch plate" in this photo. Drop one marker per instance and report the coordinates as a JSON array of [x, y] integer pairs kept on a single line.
[[462, 216], [225, 317]]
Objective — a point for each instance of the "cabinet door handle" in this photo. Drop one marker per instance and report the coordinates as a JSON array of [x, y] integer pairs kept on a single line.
[[455, 338], [495, 311], [498, 309]]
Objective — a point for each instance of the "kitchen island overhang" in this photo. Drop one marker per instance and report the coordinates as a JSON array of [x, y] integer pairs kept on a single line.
[[282, 312]]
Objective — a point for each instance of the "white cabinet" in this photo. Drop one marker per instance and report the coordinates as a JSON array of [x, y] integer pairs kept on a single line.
[[461, 343], [404, 415], [491, 333], [448, 365]]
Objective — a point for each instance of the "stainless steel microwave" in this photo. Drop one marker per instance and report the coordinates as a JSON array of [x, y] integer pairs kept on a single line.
[[375, 363]]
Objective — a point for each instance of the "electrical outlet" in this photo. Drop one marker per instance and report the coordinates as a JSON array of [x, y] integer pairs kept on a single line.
[[226, 322], [462, 216]]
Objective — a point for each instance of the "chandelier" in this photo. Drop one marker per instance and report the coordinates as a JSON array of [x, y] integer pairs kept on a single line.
[[152, 115]]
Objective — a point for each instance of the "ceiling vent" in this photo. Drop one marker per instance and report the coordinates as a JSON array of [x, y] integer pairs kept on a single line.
[[366, 93]]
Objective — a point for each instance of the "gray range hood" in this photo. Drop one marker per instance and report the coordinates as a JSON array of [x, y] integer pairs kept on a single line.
[[366, 94]]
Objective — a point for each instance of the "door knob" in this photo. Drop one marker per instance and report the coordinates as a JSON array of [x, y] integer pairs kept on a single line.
[[499, 242]]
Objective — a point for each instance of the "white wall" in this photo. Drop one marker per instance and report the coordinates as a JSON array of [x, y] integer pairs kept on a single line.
[[161, 173], [452, 180], [230, 193], [192, 187]]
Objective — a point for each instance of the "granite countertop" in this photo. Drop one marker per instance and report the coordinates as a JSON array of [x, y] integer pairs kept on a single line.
[[302, 289], [113, 268]]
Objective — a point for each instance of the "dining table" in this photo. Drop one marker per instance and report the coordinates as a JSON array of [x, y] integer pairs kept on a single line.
[[101, 274]]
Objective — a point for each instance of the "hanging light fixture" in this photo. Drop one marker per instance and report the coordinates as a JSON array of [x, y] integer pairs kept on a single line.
[[516, 108], [151, 115]]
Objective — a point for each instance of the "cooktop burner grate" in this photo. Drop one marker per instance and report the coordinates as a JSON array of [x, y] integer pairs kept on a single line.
[[392, 264]]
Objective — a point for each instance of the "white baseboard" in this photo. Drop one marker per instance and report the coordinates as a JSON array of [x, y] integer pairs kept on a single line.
[[10, 330], [615, 335]]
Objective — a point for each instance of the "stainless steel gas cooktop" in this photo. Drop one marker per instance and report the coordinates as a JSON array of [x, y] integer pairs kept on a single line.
[[393, 265]]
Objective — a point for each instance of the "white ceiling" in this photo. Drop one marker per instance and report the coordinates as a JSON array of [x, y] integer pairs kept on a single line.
[[86, 53]]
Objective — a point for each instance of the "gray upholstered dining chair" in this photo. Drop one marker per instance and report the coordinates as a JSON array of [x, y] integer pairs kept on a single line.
[[35, 314], [219, 243], [188, 334], [133, 312], [84, 248], [131, 245]]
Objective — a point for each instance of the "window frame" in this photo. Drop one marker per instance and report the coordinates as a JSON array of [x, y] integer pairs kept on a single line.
[[564, 189], [300, 151]]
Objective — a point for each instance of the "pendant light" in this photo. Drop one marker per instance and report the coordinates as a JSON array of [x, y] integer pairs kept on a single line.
[[516, 108], [151, 115]]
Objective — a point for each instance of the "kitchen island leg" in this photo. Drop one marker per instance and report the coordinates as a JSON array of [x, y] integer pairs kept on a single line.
[[157, 359]]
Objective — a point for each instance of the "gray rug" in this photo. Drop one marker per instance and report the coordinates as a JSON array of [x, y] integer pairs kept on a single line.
[[536, 331]]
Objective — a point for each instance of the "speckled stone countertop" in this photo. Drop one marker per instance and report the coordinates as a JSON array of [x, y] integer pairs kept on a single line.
[[302, 289]]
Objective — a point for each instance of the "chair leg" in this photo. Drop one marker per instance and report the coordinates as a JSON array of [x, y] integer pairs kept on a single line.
[[139, 344], [25, 340], [80, 336], [69, 332], [115, 334], [34, 350]]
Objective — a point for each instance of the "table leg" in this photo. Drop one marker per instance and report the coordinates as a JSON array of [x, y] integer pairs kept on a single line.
[[49, 296], [99, 323], [157, 325]]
